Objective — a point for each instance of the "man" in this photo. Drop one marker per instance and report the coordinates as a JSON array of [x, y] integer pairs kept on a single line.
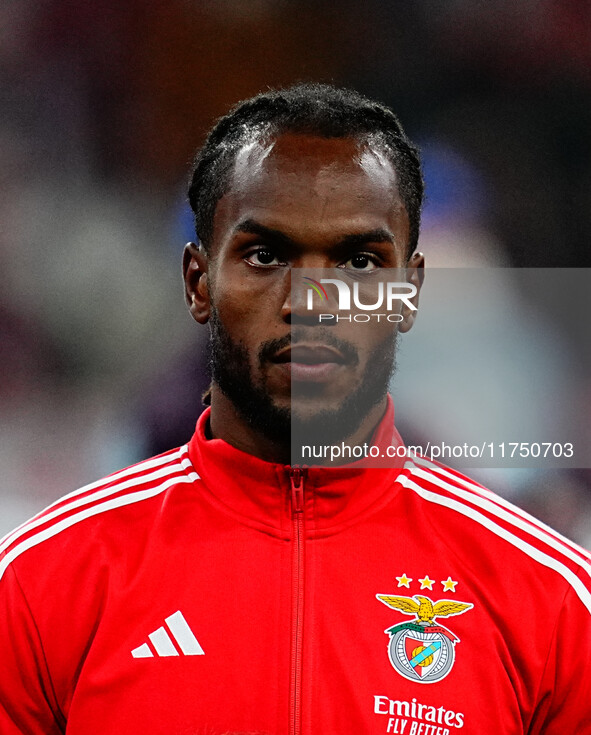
[[219, 589]]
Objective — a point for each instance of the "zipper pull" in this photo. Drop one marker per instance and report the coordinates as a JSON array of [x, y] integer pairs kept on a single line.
[[296, 476]]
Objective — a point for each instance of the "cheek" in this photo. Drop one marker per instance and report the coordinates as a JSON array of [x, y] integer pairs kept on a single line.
[[243, 295], [233, 312], [244, 313], [367, 336]]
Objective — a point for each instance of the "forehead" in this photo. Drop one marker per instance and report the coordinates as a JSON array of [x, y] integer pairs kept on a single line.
[[304, 182]]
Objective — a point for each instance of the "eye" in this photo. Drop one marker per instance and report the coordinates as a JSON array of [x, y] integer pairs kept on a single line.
[[263, 257], [360, 262]]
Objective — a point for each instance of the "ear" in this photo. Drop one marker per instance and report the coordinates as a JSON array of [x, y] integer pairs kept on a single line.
[[415, 274], [195, 265]]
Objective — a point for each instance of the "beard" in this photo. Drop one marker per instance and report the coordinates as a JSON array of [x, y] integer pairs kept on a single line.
[[232, 371]]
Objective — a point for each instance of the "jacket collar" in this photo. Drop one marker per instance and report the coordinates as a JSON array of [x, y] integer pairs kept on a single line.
[[260, 493]]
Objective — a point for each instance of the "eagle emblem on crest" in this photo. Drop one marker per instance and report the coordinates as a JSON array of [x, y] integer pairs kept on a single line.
[[425, 609]]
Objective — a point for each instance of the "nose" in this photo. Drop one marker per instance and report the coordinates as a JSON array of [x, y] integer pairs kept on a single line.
[[306, 298]]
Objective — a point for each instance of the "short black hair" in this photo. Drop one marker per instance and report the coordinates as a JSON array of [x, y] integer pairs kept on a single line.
[[311, 109]]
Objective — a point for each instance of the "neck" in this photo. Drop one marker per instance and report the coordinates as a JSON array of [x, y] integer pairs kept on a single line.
[[227, 423]]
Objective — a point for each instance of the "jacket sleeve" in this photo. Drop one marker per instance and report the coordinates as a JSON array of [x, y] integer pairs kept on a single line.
[[564, 699], [27, 702]]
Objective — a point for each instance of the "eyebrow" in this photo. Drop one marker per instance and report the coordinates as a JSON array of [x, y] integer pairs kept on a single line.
[[252, 227]]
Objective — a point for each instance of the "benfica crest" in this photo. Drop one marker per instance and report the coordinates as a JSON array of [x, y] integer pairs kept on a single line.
[[420, 650]]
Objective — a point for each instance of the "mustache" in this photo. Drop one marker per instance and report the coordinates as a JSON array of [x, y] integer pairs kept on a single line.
[[313, 336]]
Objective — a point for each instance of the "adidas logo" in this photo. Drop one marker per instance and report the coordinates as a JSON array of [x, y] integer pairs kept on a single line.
[[162, 642]]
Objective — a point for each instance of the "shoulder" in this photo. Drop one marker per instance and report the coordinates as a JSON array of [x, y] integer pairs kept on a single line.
[[489, 528], [75, 519]]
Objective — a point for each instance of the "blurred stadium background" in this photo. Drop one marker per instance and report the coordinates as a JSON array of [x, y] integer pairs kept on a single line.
[[103, 105]]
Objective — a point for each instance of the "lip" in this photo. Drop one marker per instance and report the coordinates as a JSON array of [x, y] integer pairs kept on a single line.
[[309, 354], [314, 363]]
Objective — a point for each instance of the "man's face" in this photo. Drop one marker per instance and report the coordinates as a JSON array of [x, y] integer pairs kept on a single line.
[[301, 202]]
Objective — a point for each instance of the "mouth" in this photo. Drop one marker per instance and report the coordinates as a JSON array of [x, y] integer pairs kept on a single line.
[[307, 362]]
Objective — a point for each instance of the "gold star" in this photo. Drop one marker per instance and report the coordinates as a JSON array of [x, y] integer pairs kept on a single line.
[[448, 585], [404, 581], [426, 582]]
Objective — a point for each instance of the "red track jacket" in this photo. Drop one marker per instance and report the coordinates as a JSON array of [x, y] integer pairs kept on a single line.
[[207, 592]]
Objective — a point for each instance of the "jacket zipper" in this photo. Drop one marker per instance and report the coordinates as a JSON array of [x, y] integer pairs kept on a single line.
[[296, 475]]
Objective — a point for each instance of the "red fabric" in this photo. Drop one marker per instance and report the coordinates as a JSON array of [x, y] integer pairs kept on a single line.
[[285, 606]]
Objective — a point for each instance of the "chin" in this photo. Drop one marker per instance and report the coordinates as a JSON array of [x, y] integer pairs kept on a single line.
[[303, 413]]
